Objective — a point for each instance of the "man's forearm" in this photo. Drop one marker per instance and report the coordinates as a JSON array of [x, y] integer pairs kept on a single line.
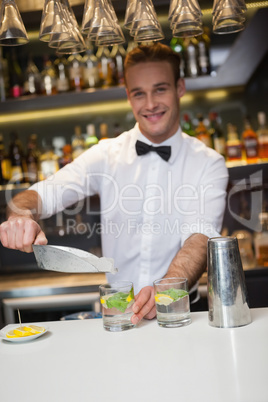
[[191, 261], [26, 203]]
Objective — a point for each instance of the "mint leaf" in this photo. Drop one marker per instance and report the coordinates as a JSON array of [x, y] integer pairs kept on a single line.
[[118, 301], [175, 294]]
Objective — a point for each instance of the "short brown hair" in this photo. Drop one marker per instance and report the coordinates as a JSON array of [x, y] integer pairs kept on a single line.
[[153, 53]]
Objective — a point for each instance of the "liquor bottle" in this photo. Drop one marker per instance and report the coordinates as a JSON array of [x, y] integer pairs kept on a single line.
[[233, 144], [48, 78], [78, 142], [32, 160], [3, 77], [90, 69], [103, 131], [32, 79], [66, 157], [75, 65], [192, 68], [49, 161], [250, 141], [16, 156], [118, 54], [262, 133], [216, 134], [178, 46], [91, 138], [62, 81], [261, 241], [203, 46], [187, 125], [15, 76], [5, 166], [106, 67], [202, 133]]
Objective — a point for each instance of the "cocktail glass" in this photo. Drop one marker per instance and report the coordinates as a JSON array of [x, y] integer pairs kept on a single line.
[[172, 302], [116, 302]]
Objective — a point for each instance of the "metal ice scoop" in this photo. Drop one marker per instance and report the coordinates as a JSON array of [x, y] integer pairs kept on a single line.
[[70, 259]]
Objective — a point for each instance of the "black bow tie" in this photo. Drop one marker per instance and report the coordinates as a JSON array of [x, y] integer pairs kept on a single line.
[[164, 151]]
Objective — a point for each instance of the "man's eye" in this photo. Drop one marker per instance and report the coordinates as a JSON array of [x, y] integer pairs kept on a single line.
[[161, 89], [137, 94]]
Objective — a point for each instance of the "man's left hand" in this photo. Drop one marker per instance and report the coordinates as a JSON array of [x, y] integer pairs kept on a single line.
[[144, 306]]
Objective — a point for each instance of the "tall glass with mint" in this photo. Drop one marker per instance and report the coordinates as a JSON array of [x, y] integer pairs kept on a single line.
[[172, 302], [116, 304]]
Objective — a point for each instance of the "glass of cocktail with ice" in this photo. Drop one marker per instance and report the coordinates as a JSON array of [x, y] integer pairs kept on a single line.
[[116, 304], [172, 302]]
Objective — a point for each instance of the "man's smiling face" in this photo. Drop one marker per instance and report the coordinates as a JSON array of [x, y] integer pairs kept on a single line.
[[154, 98]]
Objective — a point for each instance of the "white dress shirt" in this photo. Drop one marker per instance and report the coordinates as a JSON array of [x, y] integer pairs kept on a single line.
[[149, 207]]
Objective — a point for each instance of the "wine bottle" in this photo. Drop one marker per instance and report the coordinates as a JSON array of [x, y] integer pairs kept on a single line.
[[91, 138], [75, 65], [187, 126], [203, 45], [118, 54], [15, 76], [178, 46], [5, 166], [32, 79], [17, 160], [32, 159], [262, 133], [49, 161], [233, 144], [62, 80], [202, 133], [216, 134], [78, 142], [250, 141], [66, 157], [106, 67], [3, 77], [192, 68], [90, 69], [48, 78], [103, 131]]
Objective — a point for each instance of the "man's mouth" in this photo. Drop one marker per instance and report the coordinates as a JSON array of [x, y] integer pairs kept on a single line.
[[152, 117]]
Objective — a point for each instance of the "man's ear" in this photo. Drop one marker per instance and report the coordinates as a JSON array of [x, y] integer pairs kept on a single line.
[[180, 87]]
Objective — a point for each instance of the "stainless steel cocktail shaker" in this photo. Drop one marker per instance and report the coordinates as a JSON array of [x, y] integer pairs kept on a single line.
[[227, 293]]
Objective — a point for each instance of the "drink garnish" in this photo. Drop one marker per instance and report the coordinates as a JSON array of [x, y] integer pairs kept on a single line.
[[120, 300], [169, 296]]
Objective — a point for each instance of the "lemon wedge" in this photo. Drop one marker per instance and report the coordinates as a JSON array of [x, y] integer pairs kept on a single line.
[[21, 331], [129, 298], [103, 300], [34, 329], [10, 334], [163, 299]]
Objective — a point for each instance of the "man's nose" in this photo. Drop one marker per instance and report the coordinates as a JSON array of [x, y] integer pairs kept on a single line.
[[151, 102]]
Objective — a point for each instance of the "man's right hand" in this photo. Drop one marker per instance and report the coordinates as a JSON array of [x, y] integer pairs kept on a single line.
[[20, 232]]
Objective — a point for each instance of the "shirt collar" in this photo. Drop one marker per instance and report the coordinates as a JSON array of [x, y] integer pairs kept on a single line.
[[174, 142]]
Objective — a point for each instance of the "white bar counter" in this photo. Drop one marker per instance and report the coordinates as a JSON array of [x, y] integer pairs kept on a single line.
[[80, 361]]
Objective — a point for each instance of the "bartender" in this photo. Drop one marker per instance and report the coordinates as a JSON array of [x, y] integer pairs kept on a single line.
[[162, 192]]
